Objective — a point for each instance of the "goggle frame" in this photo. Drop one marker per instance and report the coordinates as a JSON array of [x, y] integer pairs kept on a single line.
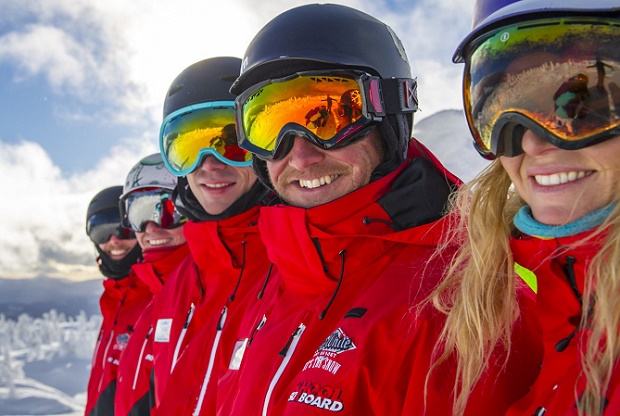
[[375, 106], [205, 151]]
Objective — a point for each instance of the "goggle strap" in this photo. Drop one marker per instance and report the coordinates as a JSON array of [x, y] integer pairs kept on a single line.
[[400, 95]]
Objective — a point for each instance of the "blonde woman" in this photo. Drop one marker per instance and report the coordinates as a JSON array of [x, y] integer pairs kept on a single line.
[[542, 98]]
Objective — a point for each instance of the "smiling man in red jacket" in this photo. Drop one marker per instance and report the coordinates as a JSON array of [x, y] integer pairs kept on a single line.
[[217, 191], [123, 299], [338, 329], [147, 210]]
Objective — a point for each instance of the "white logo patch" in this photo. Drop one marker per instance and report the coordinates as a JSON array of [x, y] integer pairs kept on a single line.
[[237, 355], [162, 330]]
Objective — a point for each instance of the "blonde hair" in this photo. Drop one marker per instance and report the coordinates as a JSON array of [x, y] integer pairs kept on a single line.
[[479, 293]]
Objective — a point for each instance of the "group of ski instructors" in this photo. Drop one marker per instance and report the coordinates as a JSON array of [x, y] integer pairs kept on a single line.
[[311, 270]]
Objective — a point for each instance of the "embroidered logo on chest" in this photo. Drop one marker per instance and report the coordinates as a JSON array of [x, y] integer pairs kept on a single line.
[[336, 343], [325, 356], [121, 341]]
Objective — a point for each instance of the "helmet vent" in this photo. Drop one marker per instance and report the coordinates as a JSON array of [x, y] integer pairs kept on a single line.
[[174, 89]]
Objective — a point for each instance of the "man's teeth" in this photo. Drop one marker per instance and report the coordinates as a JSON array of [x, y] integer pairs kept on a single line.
[[315, 183], [159, 242], [117, 252], [559, 178], [216, 185]]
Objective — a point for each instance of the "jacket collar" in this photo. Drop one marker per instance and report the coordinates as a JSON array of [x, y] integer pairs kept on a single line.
[[553, 261], [158, 263], [309, 246], [219, 245]]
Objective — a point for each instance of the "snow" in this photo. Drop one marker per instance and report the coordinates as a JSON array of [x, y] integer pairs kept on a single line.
[[45, 363]]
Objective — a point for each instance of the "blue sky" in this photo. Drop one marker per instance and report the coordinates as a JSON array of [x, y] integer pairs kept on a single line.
[[81, 91]]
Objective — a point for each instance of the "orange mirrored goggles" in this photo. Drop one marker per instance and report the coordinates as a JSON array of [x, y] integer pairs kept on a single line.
[[559, 78], [328, 108]]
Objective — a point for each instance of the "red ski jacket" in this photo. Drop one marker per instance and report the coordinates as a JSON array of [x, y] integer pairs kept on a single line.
[[206, 297], [121, 303], [338, 330], [134, 370], [560, 278]]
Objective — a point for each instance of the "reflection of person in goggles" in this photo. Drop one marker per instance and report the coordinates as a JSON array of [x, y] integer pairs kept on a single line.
[[327, 108], [193, 132], [102, 226], [559, 78], [150, 205]]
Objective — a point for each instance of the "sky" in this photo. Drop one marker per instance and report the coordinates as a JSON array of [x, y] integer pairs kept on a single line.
[[82, 84]]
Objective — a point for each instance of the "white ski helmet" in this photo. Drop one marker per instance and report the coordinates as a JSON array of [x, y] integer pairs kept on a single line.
[[150, 172], [147, 196]]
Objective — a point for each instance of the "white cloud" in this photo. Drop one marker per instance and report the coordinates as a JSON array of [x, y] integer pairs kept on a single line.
[[129, 52], [43, 220], [46, 49]]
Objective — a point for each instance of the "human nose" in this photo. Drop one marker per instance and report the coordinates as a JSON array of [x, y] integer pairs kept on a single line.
[[211, 163], [115, 240], [151, 227], [533, 145], [303, 154]]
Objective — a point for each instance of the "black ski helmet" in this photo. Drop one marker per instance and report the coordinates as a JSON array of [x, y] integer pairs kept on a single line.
[[205, 81], [106, 199], [322, 36], [330, 36]]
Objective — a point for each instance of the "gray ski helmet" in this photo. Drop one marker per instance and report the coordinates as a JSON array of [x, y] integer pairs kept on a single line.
[[205, 81], [491, 14], [107, 199]]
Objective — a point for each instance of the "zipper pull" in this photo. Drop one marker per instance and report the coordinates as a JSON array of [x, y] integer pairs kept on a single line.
[[220, 322], [257, 328], [188, 319], [290, 341]]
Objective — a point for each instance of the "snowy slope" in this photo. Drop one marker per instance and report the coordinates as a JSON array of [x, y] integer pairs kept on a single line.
[[45, 362], [35, 398], [446, 134], [37, 296]]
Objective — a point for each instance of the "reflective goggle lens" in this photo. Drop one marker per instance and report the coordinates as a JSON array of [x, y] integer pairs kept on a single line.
[[140, 208], [332, 107], [189, 134], [560, 78], [103, 225]]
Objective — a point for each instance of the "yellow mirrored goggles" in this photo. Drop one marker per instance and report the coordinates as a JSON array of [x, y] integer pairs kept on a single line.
[[193, 132]]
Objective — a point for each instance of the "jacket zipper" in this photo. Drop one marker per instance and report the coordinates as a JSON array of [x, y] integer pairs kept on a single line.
[[216, 341], [97, 346], [177, 348], [141, 357], [104, 358], [286, 353]]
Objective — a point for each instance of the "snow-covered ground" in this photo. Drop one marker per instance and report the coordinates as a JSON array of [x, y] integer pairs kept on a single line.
[[45, 362]]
